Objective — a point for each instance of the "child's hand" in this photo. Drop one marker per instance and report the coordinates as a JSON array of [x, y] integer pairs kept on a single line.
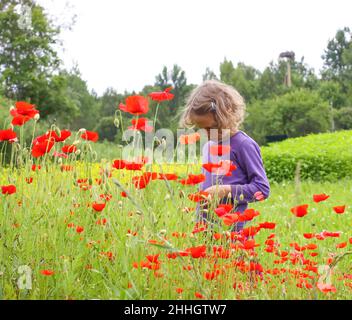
[[220, 191]]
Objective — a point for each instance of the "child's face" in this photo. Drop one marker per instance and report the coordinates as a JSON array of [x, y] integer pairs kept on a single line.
[[208, 122]]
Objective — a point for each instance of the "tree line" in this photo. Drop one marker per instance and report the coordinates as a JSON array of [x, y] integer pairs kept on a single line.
[[31, 70]]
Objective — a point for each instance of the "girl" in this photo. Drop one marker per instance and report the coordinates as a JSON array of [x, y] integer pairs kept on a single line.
[[215, 107]]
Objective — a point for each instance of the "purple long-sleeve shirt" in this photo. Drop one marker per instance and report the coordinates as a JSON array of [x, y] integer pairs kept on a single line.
[[249, 176]]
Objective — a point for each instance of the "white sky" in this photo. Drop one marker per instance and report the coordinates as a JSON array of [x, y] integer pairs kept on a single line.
[[125, 44]]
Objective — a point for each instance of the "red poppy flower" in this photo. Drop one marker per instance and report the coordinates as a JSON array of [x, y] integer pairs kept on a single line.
[[330, 234], [79, 229], [102, 222], [193, 179], [47, 272], [10, 189], [8, 135], [230, 218], [197, 252], [167, 176], [250, 231], [36, 167], [119, 164], [141, 124], [153, 258], [140, 182], [219, 150], [190, 138], [162, 96], [69, 149], [90, 135], [98, 206], [339, 209], [210, 167], [64, 134], [249, 245], [320, 197], [179, 290], [267, 225], [308, 235], [324, 287], [300, 211], [106, 197], [199, 227], [22, 113], [198, 295], [29, 180], [42, 145], [223, 209], [198, 196], [341, 245], [211, 275], [133, 165], [135, 105], [248, 215]]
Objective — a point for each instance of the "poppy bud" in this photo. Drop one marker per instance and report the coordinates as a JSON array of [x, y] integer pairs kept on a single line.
[[82, 130], [78, 152], [116, 123], [36, 117], [241, 196], [157, 141], [12, 108]]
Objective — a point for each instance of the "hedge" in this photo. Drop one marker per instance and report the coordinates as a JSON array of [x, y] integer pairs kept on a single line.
[[324, 157]]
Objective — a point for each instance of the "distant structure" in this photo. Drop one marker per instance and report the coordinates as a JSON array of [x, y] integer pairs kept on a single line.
[[290, 56]]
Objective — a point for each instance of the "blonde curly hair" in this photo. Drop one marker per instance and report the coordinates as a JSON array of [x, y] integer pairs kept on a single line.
[[216, 97]]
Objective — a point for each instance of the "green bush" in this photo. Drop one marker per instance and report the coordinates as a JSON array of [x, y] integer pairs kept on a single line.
[[324, 156]]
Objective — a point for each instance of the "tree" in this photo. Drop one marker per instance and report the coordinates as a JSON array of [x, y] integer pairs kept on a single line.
[[296, 113], [109, 102], [27, 56], [338, 59], [87, 104], [209, 75], [106, 128], [343, 118], [29, 64], [170, 110]]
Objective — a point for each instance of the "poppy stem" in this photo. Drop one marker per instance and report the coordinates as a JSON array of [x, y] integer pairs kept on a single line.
[[156, 113]]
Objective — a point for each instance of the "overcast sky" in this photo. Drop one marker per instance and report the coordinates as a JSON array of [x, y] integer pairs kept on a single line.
[[125, 44]]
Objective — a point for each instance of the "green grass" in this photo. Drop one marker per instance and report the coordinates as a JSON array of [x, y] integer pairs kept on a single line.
[[34, 232]]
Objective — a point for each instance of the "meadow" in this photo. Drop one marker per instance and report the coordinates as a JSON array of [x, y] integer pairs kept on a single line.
[[72, 228]]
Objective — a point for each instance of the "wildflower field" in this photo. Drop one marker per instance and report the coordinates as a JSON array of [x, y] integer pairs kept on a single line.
[[71, 228]]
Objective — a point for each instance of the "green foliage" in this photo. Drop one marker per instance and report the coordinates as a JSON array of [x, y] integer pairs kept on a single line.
[[296, 113], [338, 56], [324, 157], [27, 55], [106, 129], [169, 110], [343, 118], [254, 85], [86, 103]]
